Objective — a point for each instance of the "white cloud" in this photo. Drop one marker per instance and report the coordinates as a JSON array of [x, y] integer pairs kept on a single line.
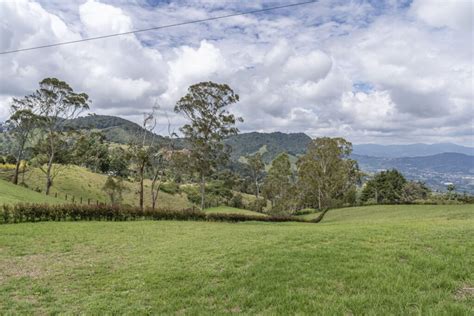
[[313, 66], [116, 72], [191, 66], [103, 19], [369, 111], [456, 14], [396, 74]]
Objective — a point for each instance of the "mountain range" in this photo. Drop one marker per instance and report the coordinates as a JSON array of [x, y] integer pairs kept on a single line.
[[411, 150], [436, 164], [120, 130]]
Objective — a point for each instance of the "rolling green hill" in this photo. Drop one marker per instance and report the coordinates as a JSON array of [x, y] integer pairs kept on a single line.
[[380, 214], [80, 182], [10, 194], [115, 129], [379, 260]]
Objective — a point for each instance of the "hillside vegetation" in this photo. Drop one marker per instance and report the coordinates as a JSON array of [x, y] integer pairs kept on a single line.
[[115, 129], [80, 182], [434, 164], [374, 260], [268, 144]]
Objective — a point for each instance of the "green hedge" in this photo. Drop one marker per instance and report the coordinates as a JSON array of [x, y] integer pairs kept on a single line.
[[19, 213]]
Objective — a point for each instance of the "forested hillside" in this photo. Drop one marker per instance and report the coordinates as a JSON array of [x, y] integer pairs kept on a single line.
[[115, 129], [268, 144]]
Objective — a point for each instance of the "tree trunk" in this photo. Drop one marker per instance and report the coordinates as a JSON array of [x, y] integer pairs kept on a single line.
[[320, 217], [319, 198], [23, 173], [153, 200], [49, 181], [256, 188], [154, 194], [141, 187], [18, 161], [155, 188], [203, 189], [17, 171]]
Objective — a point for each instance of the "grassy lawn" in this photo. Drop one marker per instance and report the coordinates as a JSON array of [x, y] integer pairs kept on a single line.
[[372, 260], [232, 210], [10, 193]]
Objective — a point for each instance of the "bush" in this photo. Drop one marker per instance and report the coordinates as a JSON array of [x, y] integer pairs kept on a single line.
[[223, 217], [170, 187], [10, 159], [236, 201], [306, 211], [258, 205], [74, 212]]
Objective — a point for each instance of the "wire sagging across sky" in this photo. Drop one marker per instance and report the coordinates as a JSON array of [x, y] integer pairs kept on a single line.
[[155, 28]]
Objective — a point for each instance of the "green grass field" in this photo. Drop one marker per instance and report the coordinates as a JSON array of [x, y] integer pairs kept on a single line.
[[380, 260], [10, 193]]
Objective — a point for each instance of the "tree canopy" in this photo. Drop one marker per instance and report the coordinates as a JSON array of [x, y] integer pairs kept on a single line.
[[209, 122], [326, 176], [385, 187]]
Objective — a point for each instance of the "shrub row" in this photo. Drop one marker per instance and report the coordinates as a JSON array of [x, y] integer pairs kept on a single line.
[[222, 217], [19, 213]]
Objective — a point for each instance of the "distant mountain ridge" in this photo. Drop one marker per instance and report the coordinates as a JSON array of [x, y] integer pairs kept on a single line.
[[121, 131], [411, 150], [296, 144], [444, 163]]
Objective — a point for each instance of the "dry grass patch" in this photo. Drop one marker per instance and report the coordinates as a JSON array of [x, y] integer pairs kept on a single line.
[[465, 292]]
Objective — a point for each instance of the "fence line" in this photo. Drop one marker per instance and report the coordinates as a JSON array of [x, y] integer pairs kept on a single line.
[[78, 199]]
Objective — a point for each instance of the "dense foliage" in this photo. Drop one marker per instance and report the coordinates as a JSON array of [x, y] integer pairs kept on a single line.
[[269, 145], [278, 186], [326, 176], [73, 212], [385, 187], [391, 187]]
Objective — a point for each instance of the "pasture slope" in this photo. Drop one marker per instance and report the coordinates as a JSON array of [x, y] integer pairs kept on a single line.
[[80, 182], [10, 194], [381, 260]]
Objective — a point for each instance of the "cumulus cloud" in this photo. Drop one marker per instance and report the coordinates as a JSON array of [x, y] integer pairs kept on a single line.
[[441, 13], [116, 73], [378, 72], [102, 18], [193, 65]]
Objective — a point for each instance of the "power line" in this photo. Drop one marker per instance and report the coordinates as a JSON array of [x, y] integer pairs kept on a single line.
[[156, 28]]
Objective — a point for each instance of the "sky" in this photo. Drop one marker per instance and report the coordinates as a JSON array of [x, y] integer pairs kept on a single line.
[[371, 71]]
